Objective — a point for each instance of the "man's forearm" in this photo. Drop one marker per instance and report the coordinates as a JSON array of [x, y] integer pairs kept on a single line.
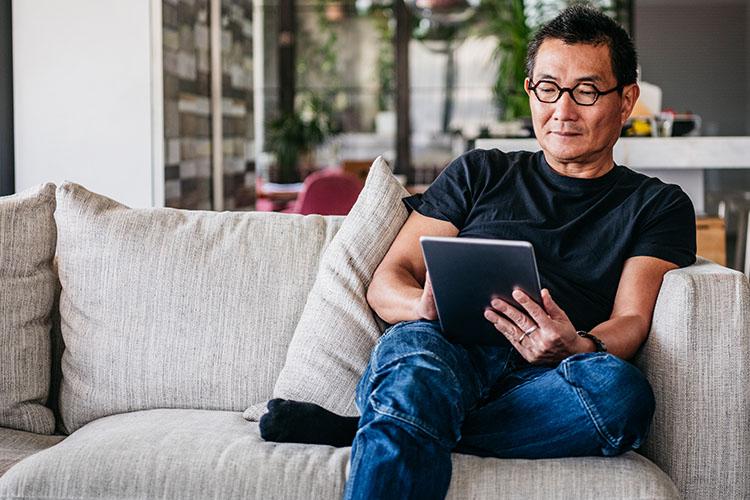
[[622, 335], [394, 295]]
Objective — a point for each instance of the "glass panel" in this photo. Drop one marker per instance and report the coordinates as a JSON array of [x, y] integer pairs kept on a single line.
[[237, 104], [345, 79], [187, 118]]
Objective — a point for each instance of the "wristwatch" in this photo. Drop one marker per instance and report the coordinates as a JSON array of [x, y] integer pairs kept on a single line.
[[598, 344]]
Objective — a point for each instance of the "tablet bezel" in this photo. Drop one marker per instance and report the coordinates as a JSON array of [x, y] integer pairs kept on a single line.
[[452, 260]]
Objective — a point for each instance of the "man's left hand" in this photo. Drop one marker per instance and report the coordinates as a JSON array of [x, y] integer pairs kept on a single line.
[[542, 335]]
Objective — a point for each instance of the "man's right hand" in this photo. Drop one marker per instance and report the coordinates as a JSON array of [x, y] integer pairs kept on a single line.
[[396, 292], [426, 308]]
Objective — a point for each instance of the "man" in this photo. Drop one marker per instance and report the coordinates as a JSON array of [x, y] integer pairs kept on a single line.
[[604, 237]]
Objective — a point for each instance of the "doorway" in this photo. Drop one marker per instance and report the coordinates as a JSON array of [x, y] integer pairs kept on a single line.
[[7, 177]]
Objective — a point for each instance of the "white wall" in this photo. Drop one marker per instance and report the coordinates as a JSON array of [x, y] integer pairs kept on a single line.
[[83, 96]]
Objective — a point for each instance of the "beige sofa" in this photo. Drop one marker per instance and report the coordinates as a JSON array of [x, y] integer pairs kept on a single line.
[[177, 324]]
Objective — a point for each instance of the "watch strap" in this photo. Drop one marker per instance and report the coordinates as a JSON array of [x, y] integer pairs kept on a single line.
[[598, 344]]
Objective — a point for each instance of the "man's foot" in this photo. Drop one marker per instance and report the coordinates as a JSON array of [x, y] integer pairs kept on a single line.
[[297, 422]]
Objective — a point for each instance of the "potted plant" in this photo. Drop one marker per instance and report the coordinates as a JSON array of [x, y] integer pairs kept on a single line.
[[294, 136]]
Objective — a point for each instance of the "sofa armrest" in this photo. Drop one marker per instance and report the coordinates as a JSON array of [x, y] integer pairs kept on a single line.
[[697, 359]]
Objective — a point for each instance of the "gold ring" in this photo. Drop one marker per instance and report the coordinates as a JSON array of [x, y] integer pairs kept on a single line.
[[531, 330]]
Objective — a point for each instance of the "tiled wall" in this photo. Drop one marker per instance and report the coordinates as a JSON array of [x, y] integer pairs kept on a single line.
[[187, 104], [237, 91]]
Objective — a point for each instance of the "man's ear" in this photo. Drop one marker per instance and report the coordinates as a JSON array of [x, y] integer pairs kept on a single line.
[[630, 96], [526, 82]]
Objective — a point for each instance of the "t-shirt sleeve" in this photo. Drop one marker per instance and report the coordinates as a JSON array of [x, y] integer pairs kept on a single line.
[[669, 231], [449, 197]]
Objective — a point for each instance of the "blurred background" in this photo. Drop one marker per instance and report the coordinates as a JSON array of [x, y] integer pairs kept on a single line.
[[234, 104]]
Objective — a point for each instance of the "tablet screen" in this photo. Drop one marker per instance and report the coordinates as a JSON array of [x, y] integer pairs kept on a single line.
[[467, 273]]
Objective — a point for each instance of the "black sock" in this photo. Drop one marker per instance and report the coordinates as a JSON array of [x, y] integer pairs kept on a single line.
[[297, 422]]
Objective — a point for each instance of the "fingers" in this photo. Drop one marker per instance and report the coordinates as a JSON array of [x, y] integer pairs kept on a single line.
[[525, 346], [428, 285], [426, 309], [551, 306], [537, 313], [517, 317], [504, 326]]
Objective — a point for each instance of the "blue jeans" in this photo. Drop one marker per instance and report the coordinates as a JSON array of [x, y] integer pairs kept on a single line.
[[422, 397]]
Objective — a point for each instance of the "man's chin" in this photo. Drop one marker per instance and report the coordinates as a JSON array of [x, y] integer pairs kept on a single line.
[[564, 154], [566, 142]]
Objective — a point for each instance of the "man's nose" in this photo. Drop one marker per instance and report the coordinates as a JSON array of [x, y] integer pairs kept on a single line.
[[566, 108]]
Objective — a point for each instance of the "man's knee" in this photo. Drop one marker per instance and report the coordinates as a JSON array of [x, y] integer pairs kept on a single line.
[[412, 380], [616, 396], [409, 338]]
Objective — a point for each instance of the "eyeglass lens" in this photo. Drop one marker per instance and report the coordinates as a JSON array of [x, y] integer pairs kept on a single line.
[[584, 94]]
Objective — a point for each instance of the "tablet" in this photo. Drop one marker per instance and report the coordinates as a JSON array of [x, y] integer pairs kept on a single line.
[[467, 273]]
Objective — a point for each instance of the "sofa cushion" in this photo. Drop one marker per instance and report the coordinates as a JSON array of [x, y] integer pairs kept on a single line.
[[211, 454], [17, 445], [338, 330], [27, 287], [165, 308]]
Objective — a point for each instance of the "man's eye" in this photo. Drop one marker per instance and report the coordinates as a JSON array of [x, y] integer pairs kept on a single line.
[[547, 90], [588, 92]]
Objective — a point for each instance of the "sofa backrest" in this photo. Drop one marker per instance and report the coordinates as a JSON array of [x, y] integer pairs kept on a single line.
[[165, 308], [27, 286]]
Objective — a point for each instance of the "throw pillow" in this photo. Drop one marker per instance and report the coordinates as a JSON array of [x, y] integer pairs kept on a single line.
[[338, 330], [27, 289], [165, 308]]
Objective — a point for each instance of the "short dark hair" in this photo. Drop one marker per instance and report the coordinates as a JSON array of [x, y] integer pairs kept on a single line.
[[584, 24]]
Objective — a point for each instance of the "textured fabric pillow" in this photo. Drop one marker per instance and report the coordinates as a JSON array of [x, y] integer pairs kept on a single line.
[[338, 330], [27, 287], [164, 308]]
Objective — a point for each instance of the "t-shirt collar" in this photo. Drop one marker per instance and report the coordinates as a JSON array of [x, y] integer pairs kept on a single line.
[[575, 183]]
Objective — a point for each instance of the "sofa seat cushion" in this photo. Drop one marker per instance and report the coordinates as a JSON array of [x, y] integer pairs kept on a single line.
[[16, 445], [171, 453]]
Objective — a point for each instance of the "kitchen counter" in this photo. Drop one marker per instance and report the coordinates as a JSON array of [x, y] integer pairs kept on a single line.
[[677, 160], [659, 152]]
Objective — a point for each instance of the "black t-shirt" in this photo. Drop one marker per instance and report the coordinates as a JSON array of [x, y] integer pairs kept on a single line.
[[582, 230]]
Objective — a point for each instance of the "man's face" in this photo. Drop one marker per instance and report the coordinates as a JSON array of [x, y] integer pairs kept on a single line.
[[567, 132]]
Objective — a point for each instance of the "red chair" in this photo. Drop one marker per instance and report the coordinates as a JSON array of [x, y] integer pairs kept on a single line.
[[327, 192]]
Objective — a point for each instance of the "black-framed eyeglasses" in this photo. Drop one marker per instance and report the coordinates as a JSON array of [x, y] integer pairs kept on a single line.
[[583, 94]]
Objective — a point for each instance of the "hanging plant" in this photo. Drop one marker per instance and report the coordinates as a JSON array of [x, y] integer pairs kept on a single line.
[[386, 62], [321, 59]]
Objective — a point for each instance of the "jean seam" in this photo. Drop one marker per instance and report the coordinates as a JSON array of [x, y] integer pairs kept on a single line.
[[485, 389], [516, 387], [385, 335], [589, 408], [419, 424], [388, 332], [416, 353], [429, 354]]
